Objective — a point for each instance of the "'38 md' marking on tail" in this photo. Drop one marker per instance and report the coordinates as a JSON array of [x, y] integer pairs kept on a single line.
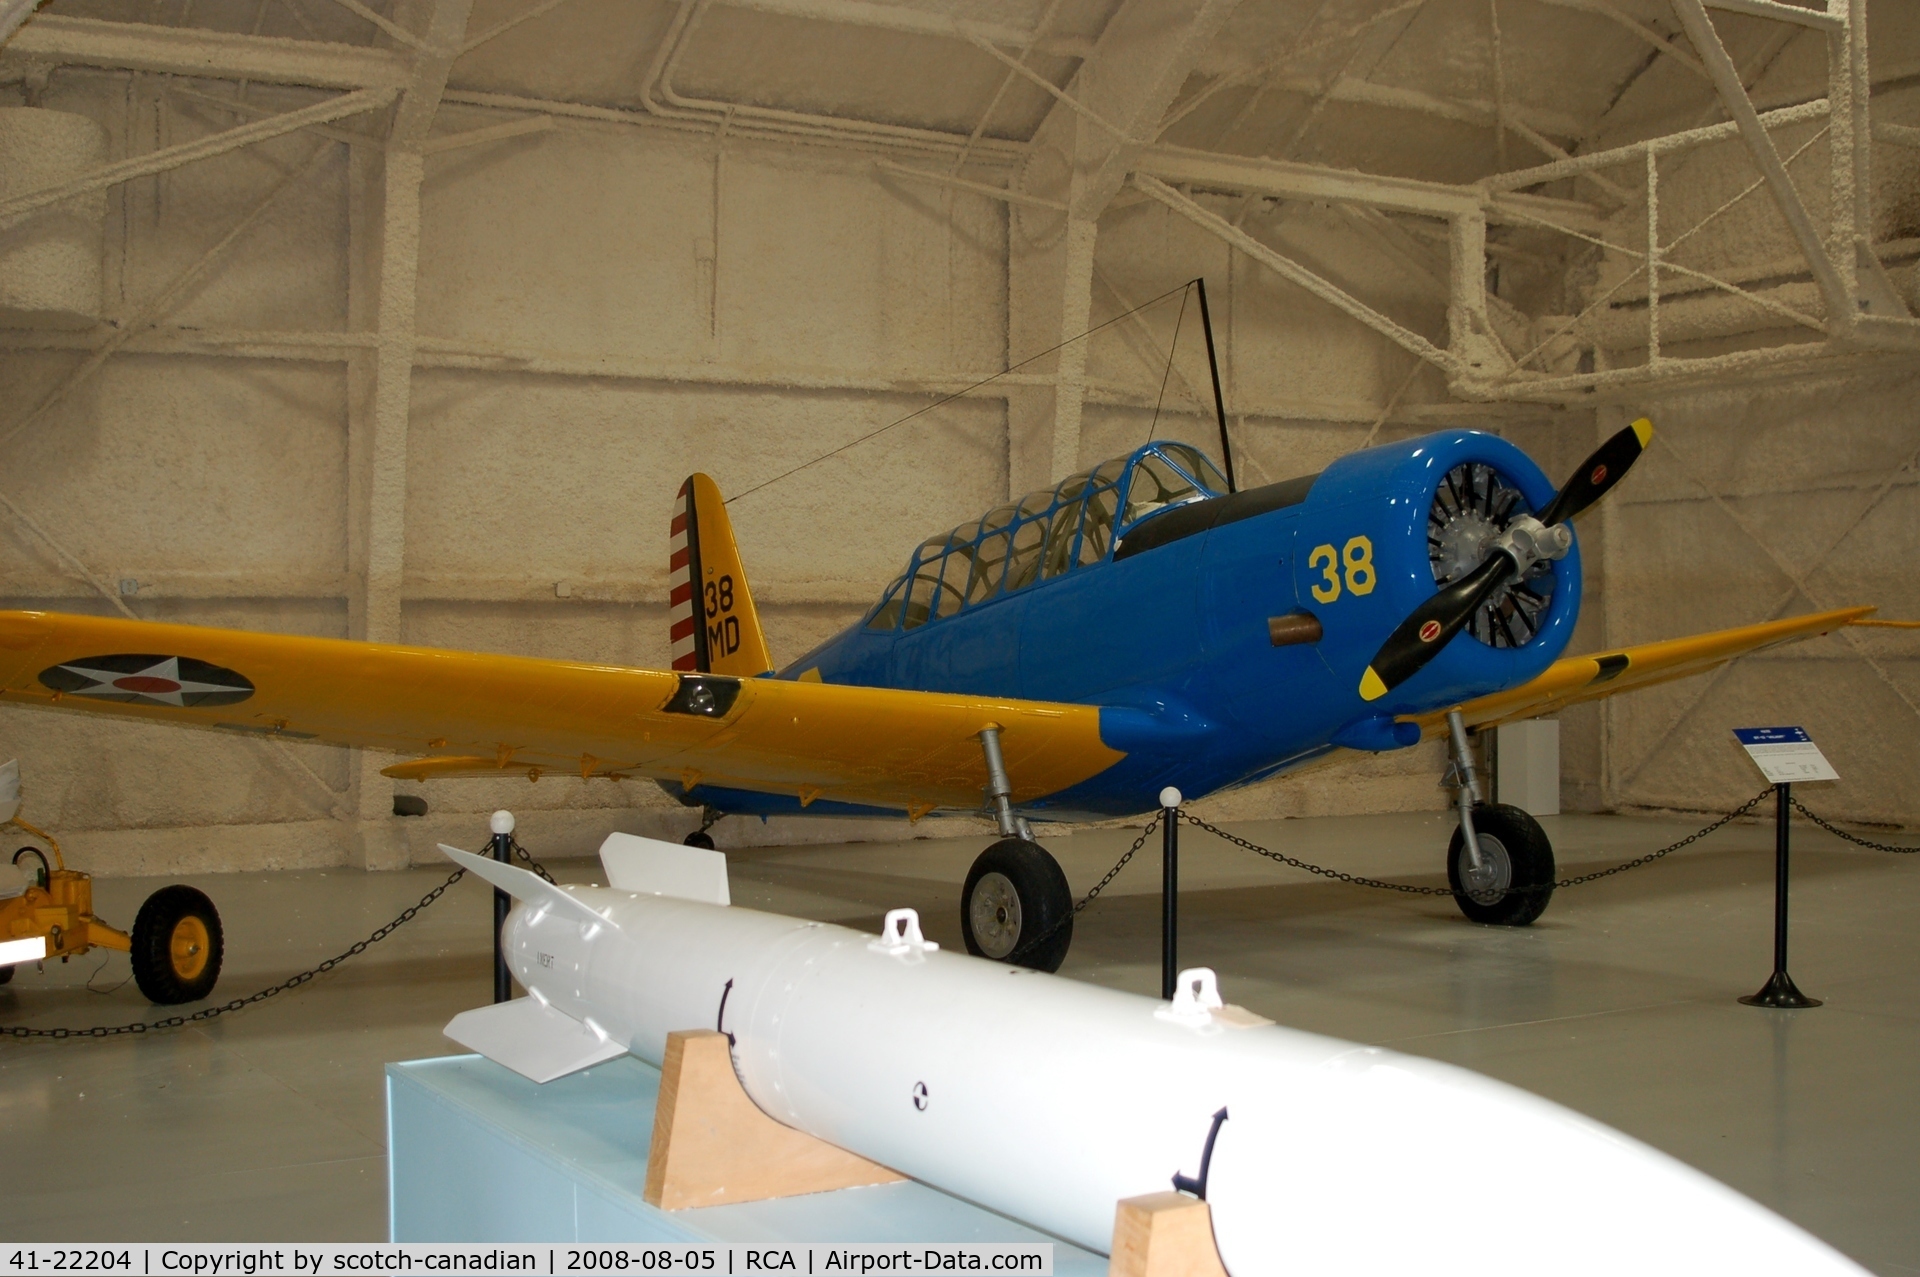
[[715, 627]]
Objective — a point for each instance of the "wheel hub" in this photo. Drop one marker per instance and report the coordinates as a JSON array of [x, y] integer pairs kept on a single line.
[[1488, 884], [188, 947], [994, 912]]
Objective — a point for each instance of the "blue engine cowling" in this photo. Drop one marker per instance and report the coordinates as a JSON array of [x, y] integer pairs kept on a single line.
[[1392, 490]]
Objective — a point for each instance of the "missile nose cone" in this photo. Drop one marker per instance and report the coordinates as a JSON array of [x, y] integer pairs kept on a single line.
[[1380, 1163]]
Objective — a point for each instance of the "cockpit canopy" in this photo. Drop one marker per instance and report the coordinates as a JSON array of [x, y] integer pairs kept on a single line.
[[1045, 534]]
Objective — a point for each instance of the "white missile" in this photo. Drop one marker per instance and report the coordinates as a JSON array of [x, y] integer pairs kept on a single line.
[[1049, 1100]]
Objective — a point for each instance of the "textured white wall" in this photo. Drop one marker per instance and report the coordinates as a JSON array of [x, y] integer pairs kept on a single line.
[[1770, 500]]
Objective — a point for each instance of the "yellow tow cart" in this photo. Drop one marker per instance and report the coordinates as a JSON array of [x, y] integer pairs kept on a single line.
[[46, 911]]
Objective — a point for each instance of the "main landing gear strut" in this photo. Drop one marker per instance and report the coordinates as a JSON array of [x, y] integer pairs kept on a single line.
[[1500, 864], [1016, 906]]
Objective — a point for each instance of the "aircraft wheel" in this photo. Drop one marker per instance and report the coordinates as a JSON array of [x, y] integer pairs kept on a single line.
[[1017, 907], [6, 974], [699, 838], [177, 946], [1515, 855]]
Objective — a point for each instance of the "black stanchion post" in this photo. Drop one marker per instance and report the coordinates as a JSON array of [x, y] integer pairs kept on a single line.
[[1780, 990], [1169, 889], [502, 826]]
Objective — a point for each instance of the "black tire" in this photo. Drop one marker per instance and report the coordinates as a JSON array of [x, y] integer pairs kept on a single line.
[[6, 974], [1024, 903], [699, 838], [177, 946], [41, 874], [1518, 873]]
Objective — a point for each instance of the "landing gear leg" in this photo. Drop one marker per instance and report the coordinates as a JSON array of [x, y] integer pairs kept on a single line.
[[700, 837], [1466, 786], [1016, 906], [1500, 863]]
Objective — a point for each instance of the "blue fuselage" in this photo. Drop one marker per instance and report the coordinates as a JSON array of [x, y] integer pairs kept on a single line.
[[1171, 631]]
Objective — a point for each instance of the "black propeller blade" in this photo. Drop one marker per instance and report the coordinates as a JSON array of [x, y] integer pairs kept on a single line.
[[1414, 642], [1598, 473], [1419, 638]]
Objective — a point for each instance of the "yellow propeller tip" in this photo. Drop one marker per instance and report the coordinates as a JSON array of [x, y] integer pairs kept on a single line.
[[1371, 688], [1643, 431]]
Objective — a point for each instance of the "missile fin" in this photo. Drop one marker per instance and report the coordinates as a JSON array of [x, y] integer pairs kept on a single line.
[[660, 868], [531, 1038], [522, 885]]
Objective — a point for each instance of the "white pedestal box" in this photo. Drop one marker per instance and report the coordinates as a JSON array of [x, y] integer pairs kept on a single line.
[[1527, 766]]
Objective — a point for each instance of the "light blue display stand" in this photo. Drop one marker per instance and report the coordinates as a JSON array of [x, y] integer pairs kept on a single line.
[[477, 1153]]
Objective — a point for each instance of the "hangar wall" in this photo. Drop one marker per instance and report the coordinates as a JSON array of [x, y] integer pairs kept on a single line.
[[1781, 496], [601, 310], [1766, 494]]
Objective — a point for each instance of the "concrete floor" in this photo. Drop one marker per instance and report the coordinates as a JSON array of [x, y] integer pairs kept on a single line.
[[1619, 1002]]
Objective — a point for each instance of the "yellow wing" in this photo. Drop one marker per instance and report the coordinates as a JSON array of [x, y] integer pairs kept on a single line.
[[1587, 678], [480, 715]]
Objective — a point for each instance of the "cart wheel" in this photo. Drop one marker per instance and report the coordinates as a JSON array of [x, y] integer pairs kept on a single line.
[[177, 946], [37, 854]]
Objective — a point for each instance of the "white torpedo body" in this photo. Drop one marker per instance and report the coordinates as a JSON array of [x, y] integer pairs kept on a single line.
[[1049, 1100]]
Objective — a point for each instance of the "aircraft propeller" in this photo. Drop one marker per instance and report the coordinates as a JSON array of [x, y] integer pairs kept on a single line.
[[1526, 540]]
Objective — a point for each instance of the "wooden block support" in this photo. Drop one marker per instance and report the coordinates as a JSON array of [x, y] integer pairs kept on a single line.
[[1164, 1235], [712, 1144]]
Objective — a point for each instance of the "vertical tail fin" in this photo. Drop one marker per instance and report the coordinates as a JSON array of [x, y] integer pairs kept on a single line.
[[716, 629]]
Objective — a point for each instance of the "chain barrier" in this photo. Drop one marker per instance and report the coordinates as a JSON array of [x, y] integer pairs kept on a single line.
[[1412, 890], [1842, 834], [293, 982], [532, 864], [408, 914], [1027, 946]]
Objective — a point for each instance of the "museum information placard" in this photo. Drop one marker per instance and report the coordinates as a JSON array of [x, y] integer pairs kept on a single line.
[[1785, 755]]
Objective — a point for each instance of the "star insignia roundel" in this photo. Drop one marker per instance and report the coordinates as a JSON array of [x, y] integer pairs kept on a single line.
[[147, 679]]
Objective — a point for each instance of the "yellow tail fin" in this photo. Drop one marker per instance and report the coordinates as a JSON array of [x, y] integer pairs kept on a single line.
[[715, 627]]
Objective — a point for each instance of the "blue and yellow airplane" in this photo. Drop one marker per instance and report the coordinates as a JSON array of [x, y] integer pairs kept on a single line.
[[1066, 656]]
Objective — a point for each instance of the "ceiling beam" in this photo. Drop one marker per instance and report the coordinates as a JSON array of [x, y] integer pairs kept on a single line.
[[217, 55], [1818, 19], [1297, 274], [895, 17], [1290, 179], [12, 14], [172, 157], [1607, 9], [1123, 89], [1352, 89], [444, 32], [1733, 96]]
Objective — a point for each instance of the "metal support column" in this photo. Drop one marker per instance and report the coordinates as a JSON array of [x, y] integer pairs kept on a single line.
[[1780, 990], [1169, 890], [502, 825]]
